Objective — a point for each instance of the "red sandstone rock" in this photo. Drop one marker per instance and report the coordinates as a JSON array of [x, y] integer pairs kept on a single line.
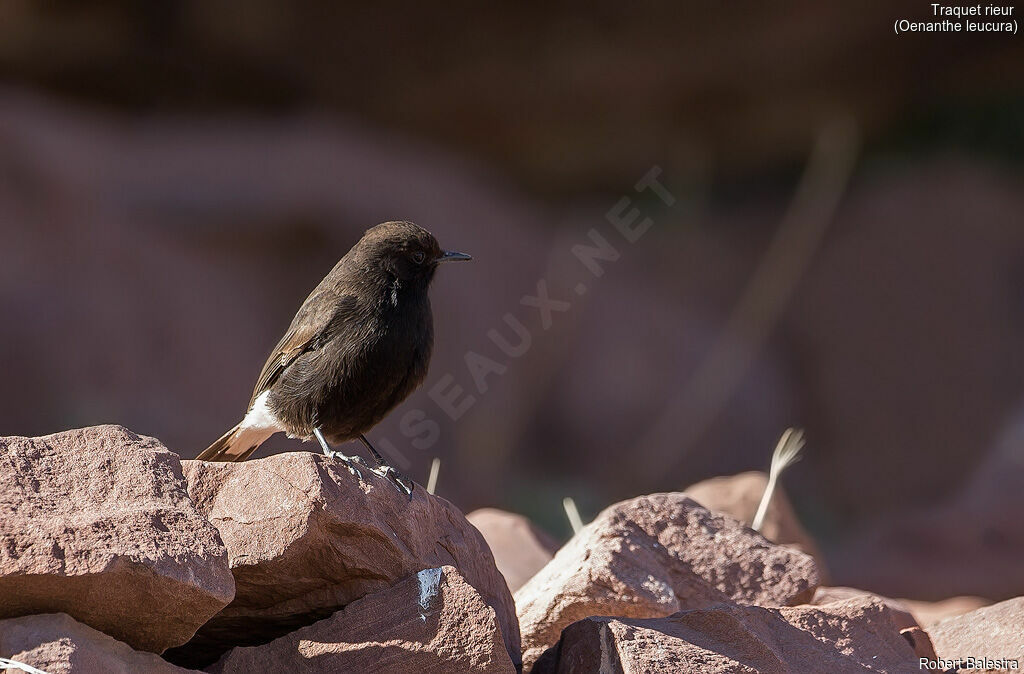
[[995, 632], [919, 641], [739, 495], [899, 611], [56, 643], [932, 553], [653, 556], [306, 538], [430, 623], [971, 544], [96, 523], [520, 549], [854, 636]]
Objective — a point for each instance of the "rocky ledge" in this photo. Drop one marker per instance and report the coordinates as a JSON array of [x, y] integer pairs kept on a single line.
[[115, 556]]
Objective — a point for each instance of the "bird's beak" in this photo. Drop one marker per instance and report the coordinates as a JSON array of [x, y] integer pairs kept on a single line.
[[451, 256]]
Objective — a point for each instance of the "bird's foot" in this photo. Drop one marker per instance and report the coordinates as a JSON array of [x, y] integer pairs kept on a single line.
[[388, 472], [349, 461], [400, 482]]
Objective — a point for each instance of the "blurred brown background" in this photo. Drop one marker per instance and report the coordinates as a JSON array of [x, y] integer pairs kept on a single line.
[[175, 177]]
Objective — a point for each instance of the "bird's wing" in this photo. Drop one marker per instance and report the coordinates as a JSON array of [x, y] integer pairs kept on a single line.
[[307, 331]]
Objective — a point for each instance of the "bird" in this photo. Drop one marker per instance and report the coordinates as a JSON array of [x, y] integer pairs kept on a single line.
[[358, 346]]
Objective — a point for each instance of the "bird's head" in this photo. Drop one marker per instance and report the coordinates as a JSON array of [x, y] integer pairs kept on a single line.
[[405, 251]]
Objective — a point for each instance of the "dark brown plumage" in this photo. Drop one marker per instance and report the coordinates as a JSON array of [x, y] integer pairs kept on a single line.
[[358, 346]]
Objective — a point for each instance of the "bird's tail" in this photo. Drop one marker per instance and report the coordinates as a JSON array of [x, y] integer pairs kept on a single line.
[[238, 444]]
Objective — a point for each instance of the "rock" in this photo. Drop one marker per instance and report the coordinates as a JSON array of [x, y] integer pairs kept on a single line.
[[932, 553], [431, 622], [919, 641], [739, 495], [854, 636], [653, 556], [97, 521], [969, 544], [305, 538], [995, 632], [928, 613], [57, 643], [899, 611], [520, 549]]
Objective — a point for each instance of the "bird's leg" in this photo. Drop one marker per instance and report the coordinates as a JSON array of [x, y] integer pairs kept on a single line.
[[402, 483], [350, 461]]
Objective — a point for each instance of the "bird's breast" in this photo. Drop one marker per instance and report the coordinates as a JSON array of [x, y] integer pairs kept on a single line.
[[367, 369]]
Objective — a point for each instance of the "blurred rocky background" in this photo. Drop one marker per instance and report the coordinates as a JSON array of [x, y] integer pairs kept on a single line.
[[175, 177]]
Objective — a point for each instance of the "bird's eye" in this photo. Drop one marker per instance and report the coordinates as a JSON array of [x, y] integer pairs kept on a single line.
[[419, 256]]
